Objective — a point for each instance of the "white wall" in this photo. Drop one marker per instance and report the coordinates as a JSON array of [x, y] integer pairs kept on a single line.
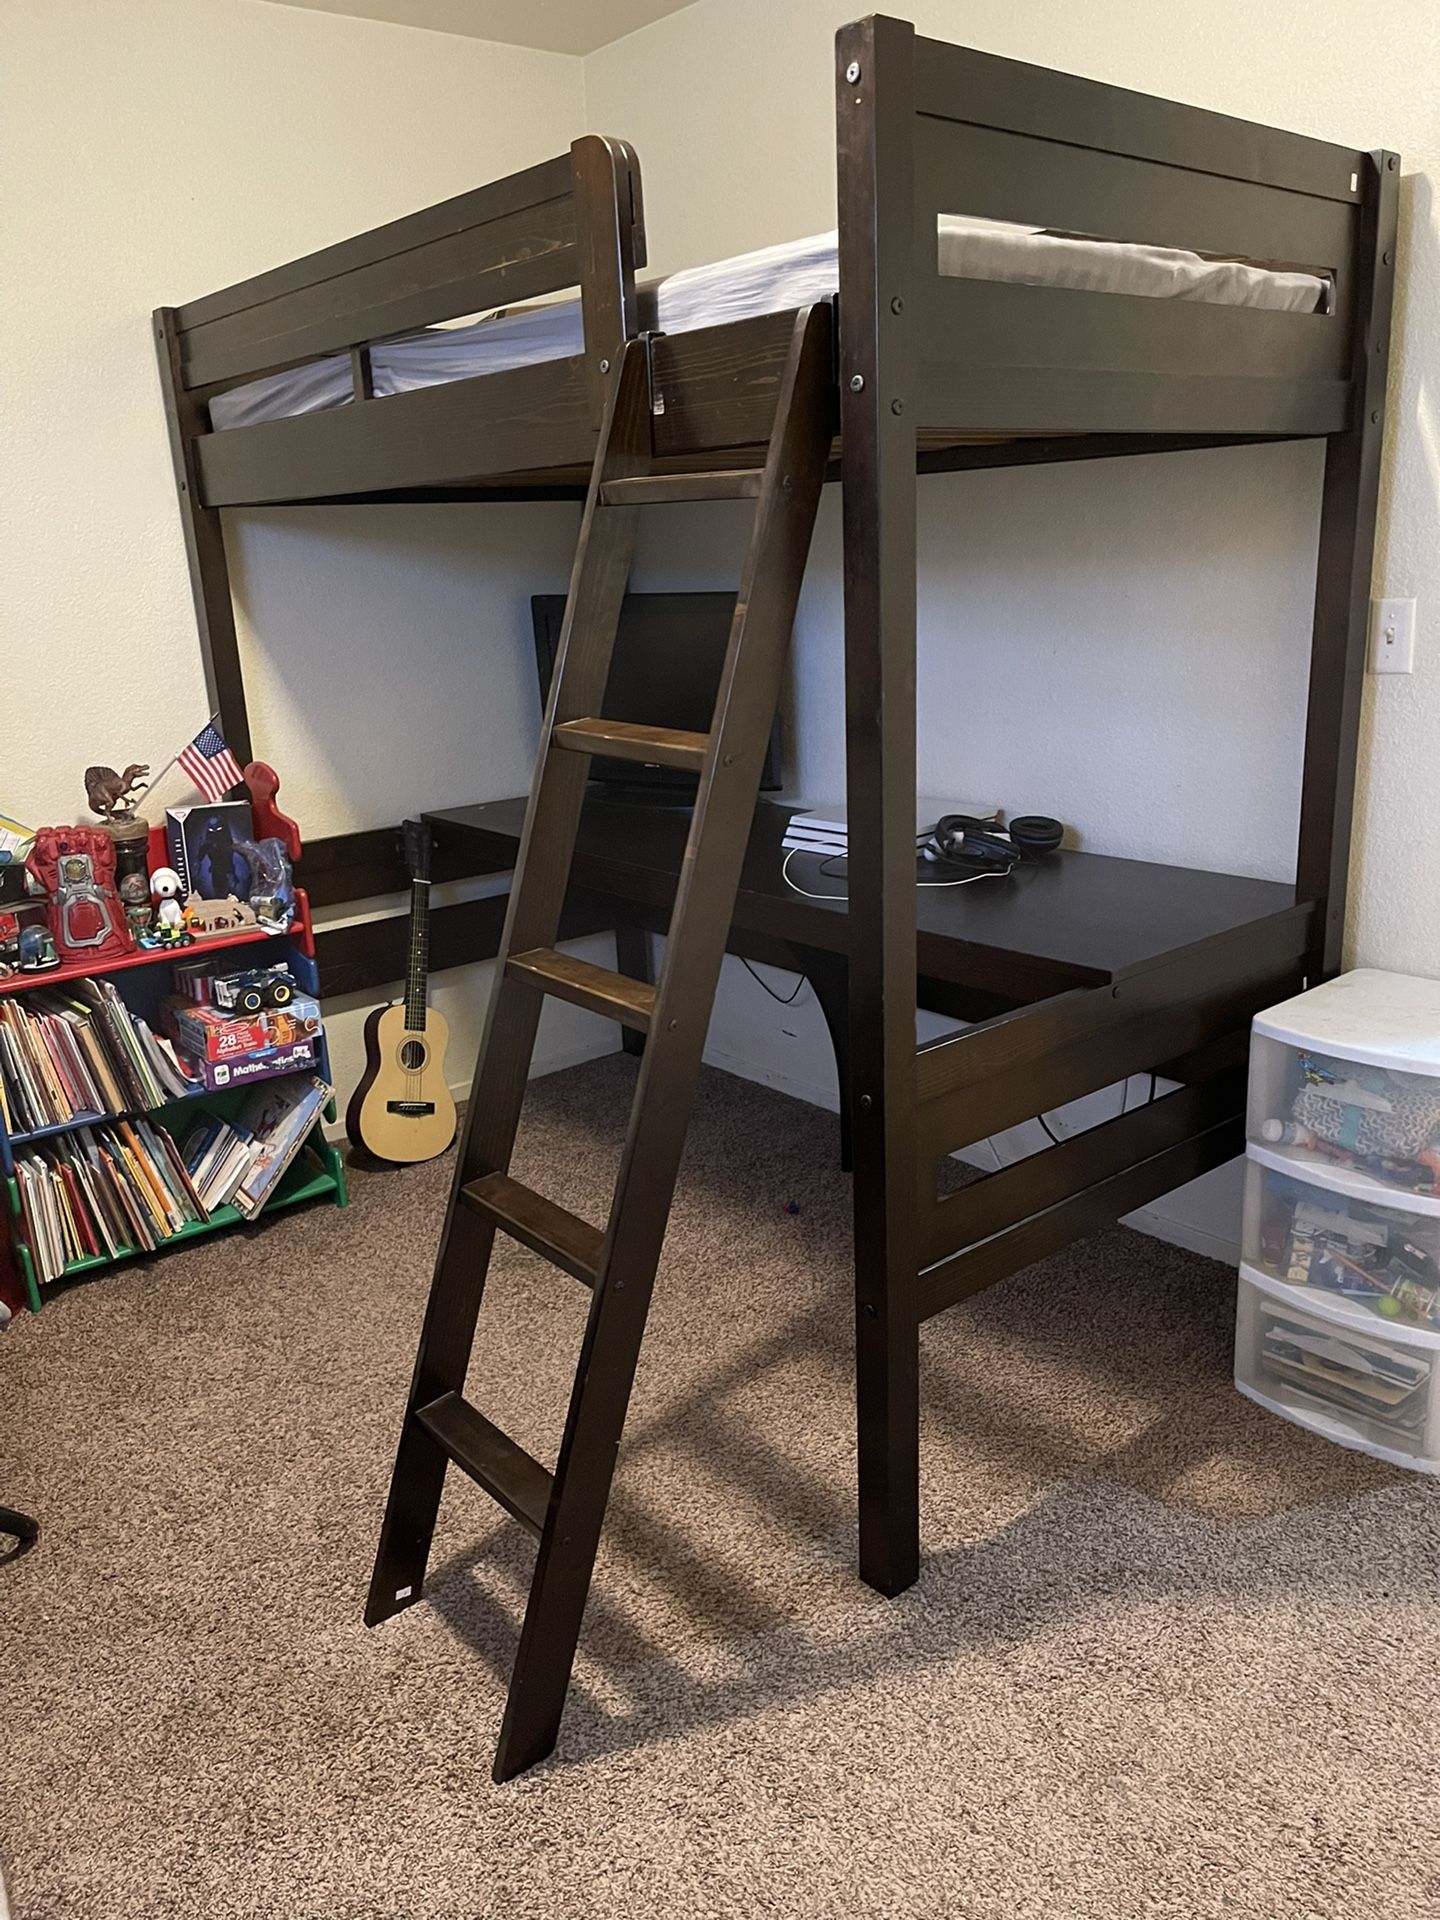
[[153, 151], [1122, 643]]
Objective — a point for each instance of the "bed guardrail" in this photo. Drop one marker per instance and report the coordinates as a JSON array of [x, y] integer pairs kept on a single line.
[[576, 220], [1001, 140]]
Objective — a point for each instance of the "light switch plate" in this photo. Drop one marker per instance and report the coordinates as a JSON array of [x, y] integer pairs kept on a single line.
[[1392, 636]]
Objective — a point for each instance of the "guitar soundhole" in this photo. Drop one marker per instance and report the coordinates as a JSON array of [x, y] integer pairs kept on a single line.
[[412, 1055]]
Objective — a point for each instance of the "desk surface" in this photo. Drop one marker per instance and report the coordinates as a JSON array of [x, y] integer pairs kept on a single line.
[[1070, 920]]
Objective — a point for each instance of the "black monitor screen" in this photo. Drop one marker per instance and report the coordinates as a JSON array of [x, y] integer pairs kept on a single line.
[[664, 672]]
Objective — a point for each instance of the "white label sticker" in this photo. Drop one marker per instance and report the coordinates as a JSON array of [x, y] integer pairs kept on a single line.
[[403, 1593]]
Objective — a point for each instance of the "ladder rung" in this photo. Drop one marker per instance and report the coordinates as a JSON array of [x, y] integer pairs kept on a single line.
[[623, 740], [527, 1216], [491, 1458], [653, 489], [631, 1002]]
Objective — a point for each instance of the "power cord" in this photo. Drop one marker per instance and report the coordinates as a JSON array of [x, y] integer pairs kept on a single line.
[[842, 898], [782, 999]]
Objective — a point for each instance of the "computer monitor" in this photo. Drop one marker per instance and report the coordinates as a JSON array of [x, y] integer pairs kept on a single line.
[[664, 672]]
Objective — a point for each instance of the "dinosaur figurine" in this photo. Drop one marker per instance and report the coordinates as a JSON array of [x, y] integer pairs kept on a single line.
[[109, 792]]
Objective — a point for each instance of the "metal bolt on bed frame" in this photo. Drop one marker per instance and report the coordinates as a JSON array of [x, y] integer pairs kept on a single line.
[[852, 72], [857, 383]]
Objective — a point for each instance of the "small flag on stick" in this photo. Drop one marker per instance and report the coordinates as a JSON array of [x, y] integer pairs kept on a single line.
[[210, 764]]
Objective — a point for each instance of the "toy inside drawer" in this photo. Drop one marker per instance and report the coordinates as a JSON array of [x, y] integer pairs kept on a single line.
[[1358, 1245], [1317, 1108]]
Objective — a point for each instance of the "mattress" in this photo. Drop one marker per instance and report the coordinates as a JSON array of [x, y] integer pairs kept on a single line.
[[772, 280]]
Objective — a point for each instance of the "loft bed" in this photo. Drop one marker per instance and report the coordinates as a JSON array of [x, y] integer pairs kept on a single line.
[[935, 369]]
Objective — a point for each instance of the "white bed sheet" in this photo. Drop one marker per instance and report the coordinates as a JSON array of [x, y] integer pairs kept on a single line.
[[770, 280]]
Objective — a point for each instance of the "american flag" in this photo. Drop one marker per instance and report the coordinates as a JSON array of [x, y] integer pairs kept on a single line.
[[210, 764]]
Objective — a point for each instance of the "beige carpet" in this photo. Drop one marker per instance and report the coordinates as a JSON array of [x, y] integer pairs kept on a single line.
[[1168, 1657]]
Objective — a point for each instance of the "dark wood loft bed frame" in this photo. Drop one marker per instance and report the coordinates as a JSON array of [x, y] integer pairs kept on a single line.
[[932, 374]]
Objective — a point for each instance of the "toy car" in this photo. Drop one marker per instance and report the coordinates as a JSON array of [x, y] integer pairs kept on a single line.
[[253, 989]]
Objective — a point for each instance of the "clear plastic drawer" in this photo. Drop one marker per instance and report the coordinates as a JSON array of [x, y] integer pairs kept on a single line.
[[1346, 1080], [1361, 1247], [1329, 1365]]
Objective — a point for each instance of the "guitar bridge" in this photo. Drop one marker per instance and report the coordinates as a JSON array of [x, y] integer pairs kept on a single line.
[[415, 1109]]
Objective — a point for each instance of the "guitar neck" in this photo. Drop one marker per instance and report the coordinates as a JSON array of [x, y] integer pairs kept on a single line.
[[417, 972]]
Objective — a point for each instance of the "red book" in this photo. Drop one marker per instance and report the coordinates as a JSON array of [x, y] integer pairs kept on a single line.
[[60, 1062], [79, 1209]]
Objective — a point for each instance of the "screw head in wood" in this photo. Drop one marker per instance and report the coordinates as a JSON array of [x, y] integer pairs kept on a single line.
[[1375, 419], [1392, 163], [866, 1103], [604, 366], [897, 406], [897, 305], [852, 72], [672, 1026], [857, 383]]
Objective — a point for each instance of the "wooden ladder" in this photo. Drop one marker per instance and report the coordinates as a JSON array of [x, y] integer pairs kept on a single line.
[[566, 1509]]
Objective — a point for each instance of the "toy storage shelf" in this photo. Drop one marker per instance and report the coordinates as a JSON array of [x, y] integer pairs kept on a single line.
[[79, 1122], [317, 1172], [1338, 1321], [293, 949]]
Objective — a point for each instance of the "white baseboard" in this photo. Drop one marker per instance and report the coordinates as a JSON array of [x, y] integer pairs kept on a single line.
[[1185, 1234], [745, 1067], [571, 1056]]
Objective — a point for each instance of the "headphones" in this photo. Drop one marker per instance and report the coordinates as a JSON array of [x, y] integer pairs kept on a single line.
[[965, 840]]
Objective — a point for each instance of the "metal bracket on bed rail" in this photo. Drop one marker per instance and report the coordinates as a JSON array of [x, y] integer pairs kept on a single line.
[[657, 392]]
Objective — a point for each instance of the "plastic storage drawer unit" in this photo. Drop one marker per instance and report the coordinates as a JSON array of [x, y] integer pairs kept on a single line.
[[1339, 1309]]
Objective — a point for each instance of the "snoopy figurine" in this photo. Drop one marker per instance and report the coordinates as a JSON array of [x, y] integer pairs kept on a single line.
[[165, 887]]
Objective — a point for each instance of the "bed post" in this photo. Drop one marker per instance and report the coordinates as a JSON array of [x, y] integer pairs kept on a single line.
[[1343, 572], [610, 229], [204, 549], [875, 67]]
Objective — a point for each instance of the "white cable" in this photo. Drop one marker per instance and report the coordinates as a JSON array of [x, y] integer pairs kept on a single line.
[[999, 873], [843, 898]]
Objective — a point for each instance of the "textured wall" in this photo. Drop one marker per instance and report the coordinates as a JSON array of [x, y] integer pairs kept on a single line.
[[153, 151], [1121, 643], [1124, 642]]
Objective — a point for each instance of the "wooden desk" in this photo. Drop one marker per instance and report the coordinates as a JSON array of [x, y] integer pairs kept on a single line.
[[1070, 921]]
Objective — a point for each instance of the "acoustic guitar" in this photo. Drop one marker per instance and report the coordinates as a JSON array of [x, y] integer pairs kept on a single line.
[[402, 1110]]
